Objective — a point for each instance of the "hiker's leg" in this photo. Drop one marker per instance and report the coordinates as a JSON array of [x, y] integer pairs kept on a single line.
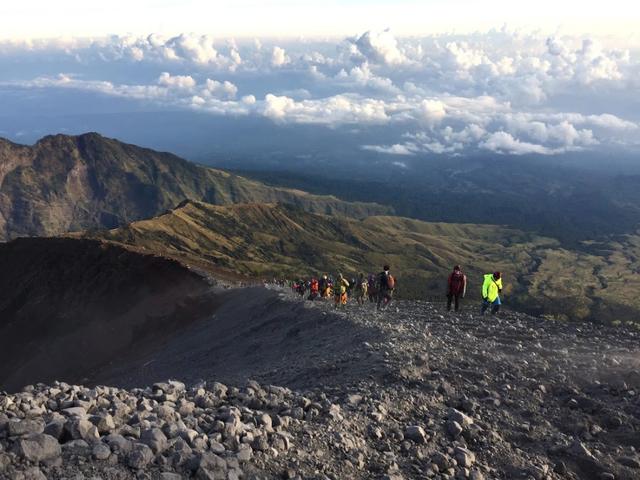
[[457, 302], [496, 306], [449, 299], [485, 305]]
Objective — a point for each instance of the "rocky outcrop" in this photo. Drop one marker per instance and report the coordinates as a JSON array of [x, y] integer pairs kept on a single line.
[[166, 431]]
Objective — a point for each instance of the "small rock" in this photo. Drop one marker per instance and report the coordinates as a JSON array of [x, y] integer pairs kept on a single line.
[[82, 429], [476, 475], [39, 448], [441, 460], [416, 434], [459, 417], [26, 427], [104, 423], [78, 412], [101, 451], [55, 428], [464, 457], [245, 453], [217, 447], [140, 456], [79, 448], [5, 460], [454, 428], [118, 443], [155, 439]]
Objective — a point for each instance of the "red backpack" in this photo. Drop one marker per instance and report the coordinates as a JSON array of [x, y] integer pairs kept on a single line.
[[391, 282]]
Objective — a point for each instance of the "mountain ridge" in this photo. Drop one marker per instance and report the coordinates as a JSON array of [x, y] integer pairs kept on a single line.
[[64, 183]]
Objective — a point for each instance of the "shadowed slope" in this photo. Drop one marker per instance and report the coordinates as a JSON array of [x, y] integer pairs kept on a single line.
[[69, 306]]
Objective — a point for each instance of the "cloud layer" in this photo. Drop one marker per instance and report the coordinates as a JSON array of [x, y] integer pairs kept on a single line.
[[501, 92]]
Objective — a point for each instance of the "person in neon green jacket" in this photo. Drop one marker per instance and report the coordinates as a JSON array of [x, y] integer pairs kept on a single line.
[[491, 289]]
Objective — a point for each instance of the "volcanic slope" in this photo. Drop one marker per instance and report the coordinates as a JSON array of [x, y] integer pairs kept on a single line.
[[443, 396], [282, 241], [68, 306], [66, 183]]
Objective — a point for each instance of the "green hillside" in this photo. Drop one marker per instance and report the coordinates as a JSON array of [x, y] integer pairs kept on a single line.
[[269, 240]]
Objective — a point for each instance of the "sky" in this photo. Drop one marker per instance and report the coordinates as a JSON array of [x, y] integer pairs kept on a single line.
[[286, 18], [389, 79]]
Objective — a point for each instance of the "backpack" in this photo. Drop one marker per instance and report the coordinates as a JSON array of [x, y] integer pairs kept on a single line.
[[391, 282]]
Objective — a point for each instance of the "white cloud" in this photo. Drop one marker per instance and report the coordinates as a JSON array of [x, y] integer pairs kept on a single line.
[[339, 109], [224, 89], [503, 142], [502, 91], [184, 82], [198, 49], [395, 149], [379, 47], [279, 57], [432, 111]]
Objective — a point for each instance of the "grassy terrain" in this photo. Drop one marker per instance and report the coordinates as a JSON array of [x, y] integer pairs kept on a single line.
[[268, 240]]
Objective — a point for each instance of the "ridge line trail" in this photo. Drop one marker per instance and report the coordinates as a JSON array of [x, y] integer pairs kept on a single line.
[[397, 395]]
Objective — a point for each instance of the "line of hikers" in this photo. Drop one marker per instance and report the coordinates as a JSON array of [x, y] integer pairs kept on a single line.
[[379, 289], [376, 289]]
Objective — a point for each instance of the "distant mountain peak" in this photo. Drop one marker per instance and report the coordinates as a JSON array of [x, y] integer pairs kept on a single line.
[[64, 183]]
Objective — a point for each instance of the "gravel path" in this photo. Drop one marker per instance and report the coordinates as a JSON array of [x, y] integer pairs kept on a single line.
[[412, 392]]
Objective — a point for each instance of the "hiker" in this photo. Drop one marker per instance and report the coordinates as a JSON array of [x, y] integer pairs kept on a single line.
[[352, 286], [362, 286], [314, 289], [371, 288], [386, 286], [491, 290], [302, 287], [323, 284], [340, 290], [456, 288]]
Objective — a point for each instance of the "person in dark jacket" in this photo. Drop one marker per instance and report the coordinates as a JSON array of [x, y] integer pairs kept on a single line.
[[386, 286], [456, 288]]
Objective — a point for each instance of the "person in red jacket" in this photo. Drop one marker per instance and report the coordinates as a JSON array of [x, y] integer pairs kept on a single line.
[[457, 287]]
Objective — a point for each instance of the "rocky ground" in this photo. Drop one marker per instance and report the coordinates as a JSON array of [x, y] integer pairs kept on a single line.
[[419, 393]]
